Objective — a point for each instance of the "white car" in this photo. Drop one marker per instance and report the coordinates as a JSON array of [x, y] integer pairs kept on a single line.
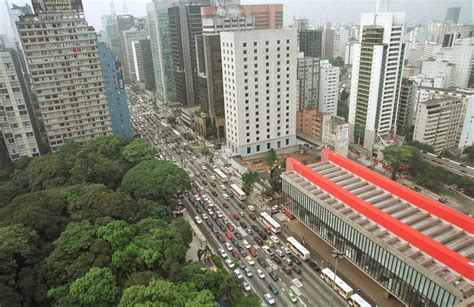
[[219, 214], [226, 197], [209, 210], [250, 260], [269, 298], [275, 239], [286, 249], [260, 274], [230, 263], [223, 187], [248, 272], [280, 252], [251, 208], [267, 250], [246, 286], [222, 252], [238, 274], [246, 244], [204, 216], [198, 219], [213, 177], [204, 168], [229, 246]]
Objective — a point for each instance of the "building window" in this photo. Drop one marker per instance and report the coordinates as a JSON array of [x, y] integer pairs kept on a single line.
[[268, 145], [248, 150], [258, 147]]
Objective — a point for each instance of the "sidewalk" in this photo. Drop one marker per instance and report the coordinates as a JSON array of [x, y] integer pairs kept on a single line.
[[370, 290]]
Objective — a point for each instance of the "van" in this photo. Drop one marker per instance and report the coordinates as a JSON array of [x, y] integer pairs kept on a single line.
[[226, 197]]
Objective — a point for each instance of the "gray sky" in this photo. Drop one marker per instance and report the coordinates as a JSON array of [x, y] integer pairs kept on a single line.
[[317, 11]]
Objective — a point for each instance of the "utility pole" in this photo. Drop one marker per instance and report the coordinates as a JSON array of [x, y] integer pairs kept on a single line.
[[337, 255]]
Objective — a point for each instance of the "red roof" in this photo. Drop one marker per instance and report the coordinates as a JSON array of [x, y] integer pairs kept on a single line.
[[438, 251]]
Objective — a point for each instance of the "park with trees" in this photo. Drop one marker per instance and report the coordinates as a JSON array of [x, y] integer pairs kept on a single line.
[[88, 226]]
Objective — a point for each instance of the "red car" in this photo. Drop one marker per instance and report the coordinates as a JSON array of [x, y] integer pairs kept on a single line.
[[229, 235], [236, 254], [236, 216], [220, 238], [252, 251], [226, 205], [230, 226], [252, 216], [203, 174]]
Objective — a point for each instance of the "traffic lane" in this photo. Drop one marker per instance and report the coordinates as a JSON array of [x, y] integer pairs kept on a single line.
[[461, 170]]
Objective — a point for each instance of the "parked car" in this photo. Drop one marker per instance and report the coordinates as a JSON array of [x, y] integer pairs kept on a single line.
[[238, 274], [246, 286], [222, 252], [279, 252], [230, 263], [242, 206], [274, 239], [246, 244], [248, 272]]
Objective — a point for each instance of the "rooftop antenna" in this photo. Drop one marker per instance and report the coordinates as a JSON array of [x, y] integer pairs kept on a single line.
[[125, 10], [112, 8]]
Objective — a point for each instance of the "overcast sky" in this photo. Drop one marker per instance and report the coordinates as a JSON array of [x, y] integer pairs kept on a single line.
[[317, 11]]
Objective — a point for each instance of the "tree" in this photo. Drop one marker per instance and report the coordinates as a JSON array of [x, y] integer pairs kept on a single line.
[[211, 132], [188, 136], [337, 61], [394, 155], [117, 233], [271, 157], [155, 180], [469, 151], [422, 146], [249, 179], [98, 287], [137, 151], [171, 120], [44, 211], [47, 172], [275, 180]]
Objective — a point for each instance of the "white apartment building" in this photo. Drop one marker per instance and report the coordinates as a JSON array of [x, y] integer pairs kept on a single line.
[[437, 69], [259, 72], [16, 119], [341, 37], [328, 87], [61, 53], [376, 77], [461, 55]]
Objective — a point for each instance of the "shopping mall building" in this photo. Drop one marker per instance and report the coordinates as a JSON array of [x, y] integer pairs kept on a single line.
[[419, 250]]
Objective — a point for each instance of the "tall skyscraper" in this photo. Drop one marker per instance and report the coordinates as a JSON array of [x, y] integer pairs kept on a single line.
[[17, 122], [406, 105], [376, 77], [130, 38], [259, 73], [159, 32], [311, 42], [110, 28], [114, 85], [452, 14], [65, 70], [341, 37], [308, 82], [328, 87], [327, 42], [185, 23]]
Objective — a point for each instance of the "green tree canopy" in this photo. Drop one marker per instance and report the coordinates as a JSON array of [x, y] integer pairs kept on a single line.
[[422, 146], [137, 151], [155, 180], [98, 288], [249, 179], [394, 155], [47, 172], [469, 151], [271, 156]]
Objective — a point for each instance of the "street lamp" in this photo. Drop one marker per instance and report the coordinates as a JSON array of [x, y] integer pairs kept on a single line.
[[337, 255]]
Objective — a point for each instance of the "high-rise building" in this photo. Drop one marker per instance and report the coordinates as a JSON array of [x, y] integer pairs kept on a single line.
[[461, 55], [267, 16], [17, 122], [406, 105], [452, 14], [115, 92], [124, 23], [341, 37], [66, 72], [142, 63], [442, 72], [376, 77], [259, 73], [159, 31], [437, 30], [308, 82], [130, 38], [110, 28], [310, 42], [184, 24], [327, 51], [328, 87]]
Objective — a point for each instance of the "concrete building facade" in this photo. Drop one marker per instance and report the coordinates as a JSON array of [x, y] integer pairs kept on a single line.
[[311, 43], [130, 40], [308, 82], [406, 105], [259, 71], [328, 87], [65, 71], [266, 16]]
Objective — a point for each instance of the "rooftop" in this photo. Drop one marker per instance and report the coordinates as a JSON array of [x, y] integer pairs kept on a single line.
[[434, 236]]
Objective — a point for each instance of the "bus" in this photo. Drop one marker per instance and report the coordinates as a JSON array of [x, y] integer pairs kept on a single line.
[[238, 192], [334, 281], [220, 174], [357, 301], [297, 248], [269, 222]]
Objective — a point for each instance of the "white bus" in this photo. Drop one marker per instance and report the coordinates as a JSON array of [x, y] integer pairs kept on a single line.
[[269, 222], [334, 281], [220, 174], [298, 249], [238, 192], [357, 301]]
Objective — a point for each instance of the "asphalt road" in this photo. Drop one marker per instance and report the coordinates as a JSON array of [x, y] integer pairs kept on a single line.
[[452, 166], [313, 292]]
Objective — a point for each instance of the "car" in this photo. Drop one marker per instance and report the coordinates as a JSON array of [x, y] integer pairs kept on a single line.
[[226, 205], [219, 214], [296, 269], [269, 299], [231, 195], [242, 265], [250, 260], [262, 262], [238, 274], [258, 240], [204, 182], [288, 260], [269, 243], [251, 208], [276, 259], [209, 223], [260, 274], [223, 187], [242, 206], [228, 246], [214, 193], [273, 275], [243, 225], [252, 251], [215, 229], [236, 243], [203, 167], [213, 177], [252, 216], [222, 252], [262, 234], [238, 235], [226, 196], [268, 250], [286, 250], [236, 216], [202, 174], [274, 239], [220, 237], [222, 227], [243, 252], [314, 266], [231, 227], [230, 263], [246, 286], [293, 298], [295, 259], [214, 185], [198, 219], [248, 272], [210, 211], [273, 288], [249, 231], [204, 216], [246, 244], [229, 235], [279, 252], [255, 228]]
